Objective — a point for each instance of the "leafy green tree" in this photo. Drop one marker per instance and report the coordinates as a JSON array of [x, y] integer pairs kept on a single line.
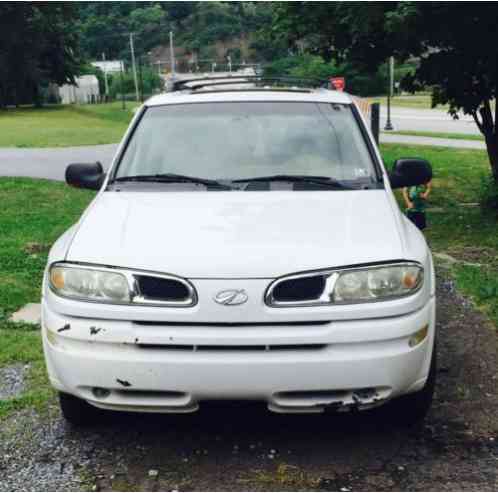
[[149, 82], [38, 45], [105, 27], [315, 67], [455, 42]]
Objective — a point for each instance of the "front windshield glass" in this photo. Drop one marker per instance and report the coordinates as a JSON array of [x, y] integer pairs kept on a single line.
[[244, 140]]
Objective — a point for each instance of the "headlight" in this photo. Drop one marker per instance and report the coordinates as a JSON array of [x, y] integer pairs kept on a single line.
[[377, 283], [119, 285], [89, 284], [356, 285]]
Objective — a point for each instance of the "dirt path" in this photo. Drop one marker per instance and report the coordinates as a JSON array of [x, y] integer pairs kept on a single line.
[[244, 448]]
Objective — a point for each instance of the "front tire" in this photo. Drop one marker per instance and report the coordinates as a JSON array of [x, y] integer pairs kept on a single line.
[[78, 412]]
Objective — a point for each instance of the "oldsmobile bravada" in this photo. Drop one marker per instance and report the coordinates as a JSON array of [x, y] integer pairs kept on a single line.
[[245, 244]]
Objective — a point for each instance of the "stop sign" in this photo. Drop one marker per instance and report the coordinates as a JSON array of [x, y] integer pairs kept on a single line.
[[338, 83]]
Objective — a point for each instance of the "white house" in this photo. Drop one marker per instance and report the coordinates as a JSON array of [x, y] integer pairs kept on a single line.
[[86, 90], [109, 66]]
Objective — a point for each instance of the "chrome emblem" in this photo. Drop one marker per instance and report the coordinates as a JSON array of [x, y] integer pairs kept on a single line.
[[231, 297]]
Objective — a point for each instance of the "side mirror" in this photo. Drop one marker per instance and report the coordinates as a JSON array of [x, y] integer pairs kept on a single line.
[[82, 175], [409, 172]]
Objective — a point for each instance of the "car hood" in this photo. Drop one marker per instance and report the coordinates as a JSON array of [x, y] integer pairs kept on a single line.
[[237, 234]]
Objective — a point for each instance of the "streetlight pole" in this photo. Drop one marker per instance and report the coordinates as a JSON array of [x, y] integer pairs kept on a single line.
[[172, 53], [134, 66], [105, 76], [389, 125]]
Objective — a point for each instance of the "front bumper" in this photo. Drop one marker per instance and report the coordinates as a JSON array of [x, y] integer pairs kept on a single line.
[[294, 368]]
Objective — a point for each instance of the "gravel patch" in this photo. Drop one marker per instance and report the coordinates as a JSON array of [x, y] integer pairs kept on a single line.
[[244, 448], [12, 380]]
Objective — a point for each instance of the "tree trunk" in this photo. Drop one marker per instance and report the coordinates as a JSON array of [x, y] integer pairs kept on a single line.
[[492, 148], [36, 96], [489, 129]]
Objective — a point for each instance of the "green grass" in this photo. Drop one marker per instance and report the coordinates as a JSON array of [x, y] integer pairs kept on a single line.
[[467, 233], [439, 135], [35, 212], [418, 101], [22, 344], [64, 125]]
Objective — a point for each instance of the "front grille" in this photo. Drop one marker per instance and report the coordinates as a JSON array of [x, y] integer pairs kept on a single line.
[[162, 289], [299, 289], [232, 348]]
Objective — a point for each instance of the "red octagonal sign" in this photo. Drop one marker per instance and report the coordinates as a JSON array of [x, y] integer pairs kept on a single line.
[[338, 83]]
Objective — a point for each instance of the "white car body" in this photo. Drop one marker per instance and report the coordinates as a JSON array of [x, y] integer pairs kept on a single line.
[[295, 358]]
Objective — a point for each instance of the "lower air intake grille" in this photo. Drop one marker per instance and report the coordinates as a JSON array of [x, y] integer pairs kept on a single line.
[[226, 348]]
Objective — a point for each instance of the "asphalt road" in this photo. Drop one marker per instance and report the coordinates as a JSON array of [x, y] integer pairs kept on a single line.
[[51, 163], [244, 447], [428, 121]]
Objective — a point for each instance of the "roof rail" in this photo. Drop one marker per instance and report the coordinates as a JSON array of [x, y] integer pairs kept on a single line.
[[203, 82]]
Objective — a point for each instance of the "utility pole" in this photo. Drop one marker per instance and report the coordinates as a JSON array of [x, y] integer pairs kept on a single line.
[[105, 76], [172, 53], [140, 61], [389, 125], [122, 86], [134, 67]]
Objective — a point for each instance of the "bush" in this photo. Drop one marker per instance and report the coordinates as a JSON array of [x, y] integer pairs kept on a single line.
[[488, 193], [148, 83]]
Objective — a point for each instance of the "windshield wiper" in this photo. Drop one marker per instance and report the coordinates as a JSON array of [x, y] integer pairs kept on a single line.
[[174, 178], [317, 180]]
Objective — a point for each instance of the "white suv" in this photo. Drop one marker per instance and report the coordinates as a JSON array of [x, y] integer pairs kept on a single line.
[[245, 244]]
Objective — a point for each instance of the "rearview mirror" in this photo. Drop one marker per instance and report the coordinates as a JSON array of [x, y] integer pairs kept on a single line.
[[409, 172], [85, 175]]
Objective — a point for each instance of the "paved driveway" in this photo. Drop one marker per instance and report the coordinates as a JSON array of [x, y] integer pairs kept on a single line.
[[51, 163]]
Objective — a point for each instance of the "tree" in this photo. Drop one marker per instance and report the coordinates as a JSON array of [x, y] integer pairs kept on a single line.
[[105, 27], [37, 45], [455, 42]]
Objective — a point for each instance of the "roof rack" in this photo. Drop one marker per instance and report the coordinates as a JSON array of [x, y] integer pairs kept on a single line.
[[287, 82]]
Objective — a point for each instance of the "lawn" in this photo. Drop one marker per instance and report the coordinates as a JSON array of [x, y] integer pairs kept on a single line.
[[35, 212], [439, 135], [456, 225], [419, 101], [64, 125]]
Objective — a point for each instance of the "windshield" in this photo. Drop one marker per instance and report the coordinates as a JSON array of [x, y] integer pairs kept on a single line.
[[238, 141]]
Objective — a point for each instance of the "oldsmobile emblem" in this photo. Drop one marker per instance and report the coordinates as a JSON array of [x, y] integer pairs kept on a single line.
[[231, 297]]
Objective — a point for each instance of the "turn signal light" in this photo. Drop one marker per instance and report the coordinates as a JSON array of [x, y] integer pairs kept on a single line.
[[419, 336]]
